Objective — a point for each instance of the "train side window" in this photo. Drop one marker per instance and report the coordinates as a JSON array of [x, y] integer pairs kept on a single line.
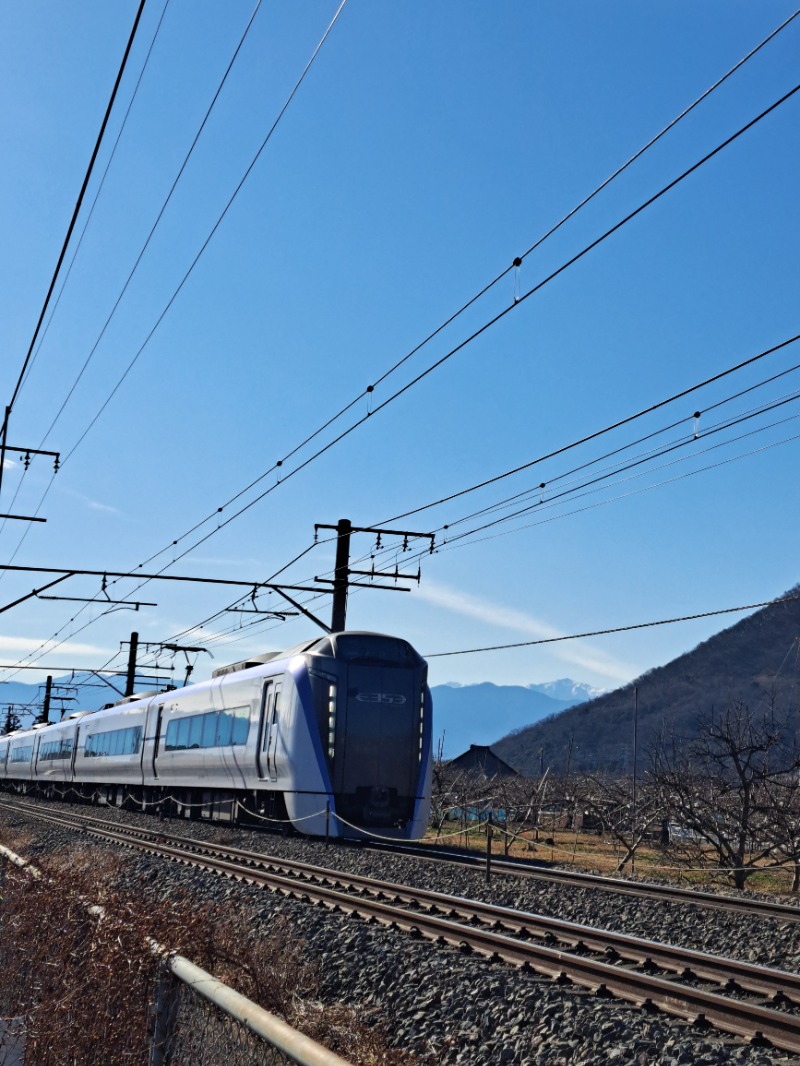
[[209, 730], [241, 724], [196, 731], [169, 738], [224, 729], [183, 733]]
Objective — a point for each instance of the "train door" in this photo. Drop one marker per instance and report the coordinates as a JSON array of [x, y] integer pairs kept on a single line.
[[74, 755], [267, 701], [271, 726], [156, 735]]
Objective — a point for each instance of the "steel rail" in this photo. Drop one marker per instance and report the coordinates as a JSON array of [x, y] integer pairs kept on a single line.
[[732, 974], [642, 890], [648, 890], [575, 878], [740, 1017]]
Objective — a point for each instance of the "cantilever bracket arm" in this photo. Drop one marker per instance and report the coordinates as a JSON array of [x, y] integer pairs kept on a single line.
[[35, 592], [303, 610], [105, 681]]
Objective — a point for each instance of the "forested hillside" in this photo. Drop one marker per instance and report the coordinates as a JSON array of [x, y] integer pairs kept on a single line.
[[754, 661]]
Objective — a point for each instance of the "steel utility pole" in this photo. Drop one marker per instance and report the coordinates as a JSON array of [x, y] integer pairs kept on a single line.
[[136, 647], [342, 573], [130, 680], [47, 693]]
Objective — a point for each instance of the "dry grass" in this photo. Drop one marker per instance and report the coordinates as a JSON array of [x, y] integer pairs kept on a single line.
[[590, 853], [84, 983]]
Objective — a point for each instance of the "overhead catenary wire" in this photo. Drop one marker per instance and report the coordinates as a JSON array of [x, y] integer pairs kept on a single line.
[[613, 471], [615, 629], [602, 503], [555, 479], [198, 255], [525, 296], [639, 460], [75, 213], [595, 434], [79, 242], [469, 303], [156, 224]]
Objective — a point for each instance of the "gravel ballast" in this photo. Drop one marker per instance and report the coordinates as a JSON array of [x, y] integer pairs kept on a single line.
[[444, 1006]]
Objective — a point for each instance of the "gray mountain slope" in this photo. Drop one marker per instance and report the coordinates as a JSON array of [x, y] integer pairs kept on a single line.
[[754, 661]]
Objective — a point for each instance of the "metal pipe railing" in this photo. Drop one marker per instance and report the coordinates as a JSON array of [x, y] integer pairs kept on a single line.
[[295, 1045]]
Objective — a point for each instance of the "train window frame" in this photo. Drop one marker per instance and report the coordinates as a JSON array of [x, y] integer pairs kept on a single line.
[[196, 727], [223, 736], [241, 726], [110, 743], [208, 730]]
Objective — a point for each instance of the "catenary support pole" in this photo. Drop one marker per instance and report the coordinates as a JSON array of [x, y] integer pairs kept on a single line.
[[130, 681], [341, 575], [48, 689]]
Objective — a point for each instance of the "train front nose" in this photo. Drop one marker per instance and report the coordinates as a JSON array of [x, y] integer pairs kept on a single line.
[[371, 708], [378, 769]]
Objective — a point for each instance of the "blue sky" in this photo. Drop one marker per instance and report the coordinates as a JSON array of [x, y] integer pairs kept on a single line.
[[428, 146]]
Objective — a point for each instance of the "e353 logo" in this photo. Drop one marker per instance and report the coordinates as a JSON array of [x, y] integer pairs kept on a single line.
[[381, 697]]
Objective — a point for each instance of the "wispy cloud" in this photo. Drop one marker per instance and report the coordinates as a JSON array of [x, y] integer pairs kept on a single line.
[[91, 504], [22, 645], [525, 625]]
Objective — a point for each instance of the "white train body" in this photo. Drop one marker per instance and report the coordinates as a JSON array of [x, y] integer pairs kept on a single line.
[[333, 736]]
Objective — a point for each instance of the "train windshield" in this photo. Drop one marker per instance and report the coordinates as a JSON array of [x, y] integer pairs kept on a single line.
[[371, 647]]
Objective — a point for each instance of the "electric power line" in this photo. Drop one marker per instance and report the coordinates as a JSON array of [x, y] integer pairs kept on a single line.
[[75, 212], [487, 325], [616, 629], [277, 466], [79, 243]]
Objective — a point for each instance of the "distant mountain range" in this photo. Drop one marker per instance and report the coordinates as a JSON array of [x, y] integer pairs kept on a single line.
[[81, 691], [754, 661], [479, 714]]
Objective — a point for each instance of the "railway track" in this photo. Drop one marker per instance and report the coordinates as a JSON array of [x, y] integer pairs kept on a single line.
[[619, 885], [749, 1001]]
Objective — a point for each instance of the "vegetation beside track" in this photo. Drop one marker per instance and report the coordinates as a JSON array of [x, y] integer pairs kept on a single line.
[[76, 983]]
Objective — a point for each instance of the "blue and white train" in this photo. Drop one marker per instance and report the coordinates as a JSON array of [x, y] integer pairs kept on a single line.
[[332, 736]]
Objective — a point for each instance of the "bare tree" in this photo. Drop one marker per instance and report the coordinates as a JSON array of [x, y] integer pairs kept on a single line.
[[784, 821], [609, 800], [719, 786]]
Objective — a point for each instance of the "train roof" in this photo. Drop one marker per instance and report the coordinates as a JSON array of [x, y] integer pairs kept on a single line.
[[348, 645]]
